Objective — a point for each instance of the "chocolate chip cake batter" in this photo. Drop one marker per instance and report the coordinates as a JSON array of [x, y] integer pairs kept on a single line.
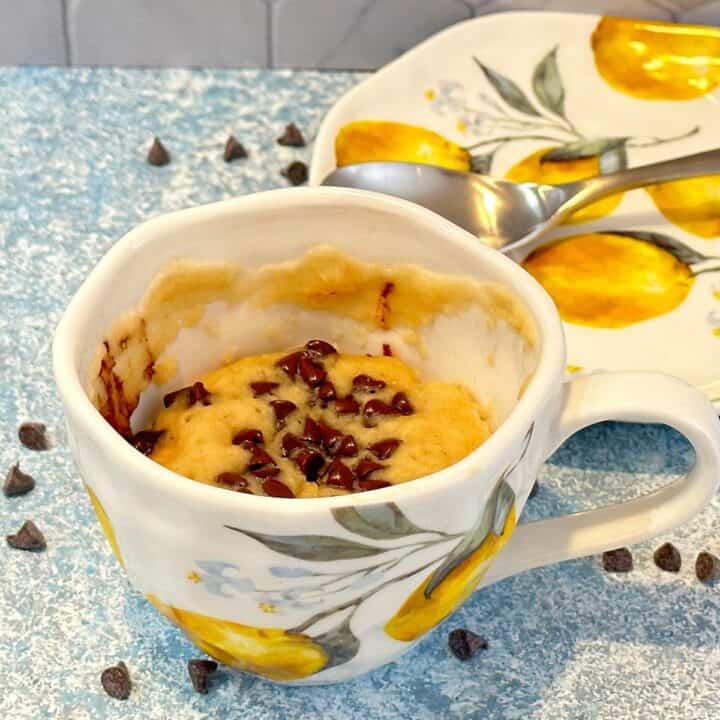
[[314, 422]]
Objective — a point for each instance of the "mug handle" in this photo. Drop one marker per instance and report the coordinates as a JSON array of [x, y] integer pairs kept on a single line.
[[631, 397]]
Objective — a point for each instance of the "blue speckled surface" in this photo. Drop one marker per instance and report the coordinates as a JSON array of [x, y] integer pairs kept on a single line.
[[565, 642]]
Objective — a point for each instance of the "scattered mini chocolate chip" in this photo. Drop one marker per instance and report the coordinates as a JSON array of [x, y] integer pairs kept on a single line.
[[326, 392], [619, 560], [17, 482], [373, 484], [116, 681], [366, 466], [320, 348], [311, 372], [383, 449], [145, 440], [234, 150], [282, 408], [290, 443], [347, 447], [275, 488], [200, 671], [28, 537], [233, 481], [252, 436], [401, 404], [387, 350], [259, 459], [330, 437], [464, 644], [289, 363], [33, 436], [667, 557], [365, 383], [534, 490], [195, 393], [157, 154], [262, 388], [707, 567], [311, 432], [296, 172], [347, 406], [339, 475], [310, 463], [266, 471], [292, 136], [373, 408]]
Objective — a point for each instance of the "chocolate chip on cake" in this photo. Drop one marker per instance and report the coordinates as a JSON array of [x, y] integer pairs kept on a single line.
[[292, 136], [282, 408], [116, 681], [296, 172], [366, 466], [289, 363], [311, 372], [145, 440], [290, 443], [347, 447], [667, 558], [339, 475], [707, 567], [157, 154], [33, 436], [464, 644], [252, 436], [310, 462], [275, 488], [262, 388], [195, 393], [234, 150], [28, 537], [383, 449], [326, 392], [373, 484], [261, 463], [365, 383], [347, 406], [373, 409], [619, 560], [311, 432], [199, 672], [17, 482], [320, 348], [387, 350], [233, 481], [330, 437], [401, 404]]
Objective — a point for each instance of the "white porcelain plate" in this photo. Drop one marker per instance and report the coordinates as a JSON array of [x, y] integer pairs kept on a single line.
[[554, 97]]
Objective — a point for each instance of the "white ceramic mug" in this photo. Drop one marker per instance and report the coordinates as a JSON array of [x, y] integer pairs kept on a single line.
[[321, 590]]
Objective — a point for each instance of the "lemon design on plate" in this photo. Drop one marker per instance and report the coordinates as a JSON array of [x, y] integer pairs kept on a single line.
[[554, 172], [657, 61], [381, 141], [607, 280], [693, 205], [105, 524], [271, 652]]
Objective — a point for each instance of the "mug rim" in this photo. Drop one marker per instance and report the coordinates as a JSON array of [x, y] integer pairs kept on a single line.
[[84, 416]]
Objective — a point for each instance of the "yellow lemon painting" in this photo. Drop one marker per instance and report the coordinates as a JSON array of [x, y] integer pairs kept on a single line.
[[657, 61], [271, 652], [693, 205], [419, 613], [105, 524], [375, 140], [610, 280]]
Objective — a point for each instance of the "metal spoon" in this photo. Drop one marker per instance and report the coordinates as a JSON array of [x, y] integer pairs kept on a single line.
[[512, 217]]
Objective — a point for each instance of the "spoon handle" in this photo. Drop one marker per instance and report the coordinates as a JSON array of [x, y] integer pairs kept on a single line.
[[584, 192]]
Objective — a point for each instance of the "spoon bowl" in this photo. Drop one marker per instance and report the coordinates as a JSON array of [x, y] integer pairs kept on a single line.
[[511, 217]]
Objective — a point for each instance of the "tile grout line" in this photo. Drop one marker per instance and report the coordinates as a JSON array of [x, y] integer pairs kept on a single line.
[[66, 32], [269, 56]]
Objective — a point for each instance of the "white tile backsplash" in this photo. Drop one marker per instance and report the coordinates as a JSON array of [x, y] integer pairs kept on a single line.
[[260, 33]]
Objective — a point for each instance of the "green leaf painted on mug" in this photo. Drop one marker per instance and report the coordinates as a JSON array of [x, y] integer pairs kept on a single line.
[[584, 149], [339, 643], [322, 548], [385, 521]]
